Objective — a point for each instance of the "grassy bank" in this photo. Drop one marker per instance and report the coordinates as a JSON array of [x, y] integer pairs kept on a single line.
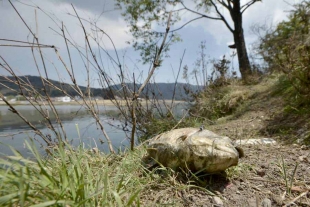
[[83, 177], [80, 177]]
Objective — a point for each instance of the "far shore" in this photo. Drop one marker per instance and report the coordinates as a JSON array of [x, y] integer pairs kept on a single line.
[[98, 102]]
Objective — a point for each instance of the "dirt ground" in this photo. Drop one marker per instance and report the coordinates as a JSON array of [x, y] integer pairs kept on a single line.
[[277, 174], [259, 175]]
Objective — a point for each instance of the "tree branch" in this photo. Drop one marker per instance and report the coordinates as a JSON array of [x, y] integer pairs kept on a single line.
[[136, 95], [186, 24], [229, 4], [202, 15], [247, 5], [224, 4], [155, 64], [222, 17]]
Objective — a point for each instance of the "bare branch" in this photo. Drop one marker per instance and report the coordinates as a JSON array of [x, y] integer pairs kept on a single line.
[[176, 80], [222, 17], [155, 63], [94, 58], [200, 14], [247, 5], [136, 95], [30, 46], [186, 24], [225, 5]]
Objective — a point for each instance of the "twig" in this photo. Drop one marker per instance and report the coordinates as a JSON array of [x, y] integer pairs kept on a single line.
[[95, 115], [136, 95], [180, 121], [176, 80], [295, 199]]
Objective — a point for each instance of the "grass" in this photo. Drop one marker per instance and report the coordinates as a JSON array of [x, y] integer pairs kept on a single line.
[[72, 178], [230, 100], [284, 172], [241, 170], [80, 177]]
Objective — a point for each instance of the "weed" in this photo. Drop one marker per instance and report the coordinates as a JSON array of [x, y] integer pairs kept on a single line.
[[284, 172], [79, 177], [240, 170]]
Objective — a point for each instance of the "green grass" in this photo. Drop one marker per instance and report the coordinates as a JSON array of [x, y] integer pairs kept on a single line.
[[72, 178], [80, 177]]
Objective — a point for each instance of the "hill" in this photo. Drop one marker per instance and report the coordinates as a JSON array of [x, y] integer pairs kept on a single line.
[[9, 86], [179, 91], [159, 90]]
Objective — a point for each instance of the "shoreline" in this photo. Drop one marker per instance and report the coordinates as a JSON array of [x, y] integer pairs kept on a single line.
[[98, 102]]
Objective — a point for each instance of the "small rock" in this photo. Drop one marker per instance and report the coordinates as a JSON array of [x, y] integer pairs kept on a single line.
[[261, 141], [218, 201], [261, 173], [304, 147], [277, 199], [303, 158], [263, 166], [266, 202]]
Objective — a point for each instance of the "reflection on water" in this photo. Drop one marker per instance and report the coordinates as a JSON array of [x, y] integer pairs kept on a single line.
[[65, 113], [79, 126]]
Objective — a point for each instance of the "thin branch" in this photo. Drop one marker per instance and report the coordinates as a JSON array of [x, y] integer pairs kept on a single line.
[[297, 198], [30, 43], [186, 24], [200, 14], [176, 80], [224, 4], [94, 58], [136, 95], [22, 19], [247, 5], [30, 46], [13, 110], [98, 28], [69, 54], [155, 63], [222, 17], [229, 4]]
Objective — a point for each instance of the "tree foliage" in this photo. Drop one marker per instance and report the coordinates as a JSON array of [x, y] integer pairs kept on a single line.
[[287, 48], [145, 15]]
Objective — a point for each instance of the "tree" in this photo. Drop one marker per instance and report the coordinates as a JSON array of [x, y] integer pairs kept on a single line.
[[290, 34], [287, 48], [141, 14]]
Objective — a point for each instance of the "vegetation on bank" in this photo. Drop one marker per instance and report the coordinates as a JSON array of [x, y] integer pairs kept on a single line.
[[82, 177]]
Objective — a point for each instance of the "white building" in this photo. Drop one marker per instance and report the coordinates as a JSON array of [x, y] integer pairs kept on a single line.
[[63, 99]]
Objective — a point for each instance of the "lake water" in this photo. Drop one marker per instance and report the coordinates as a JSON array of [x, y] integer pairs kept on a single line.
[[79, 126]]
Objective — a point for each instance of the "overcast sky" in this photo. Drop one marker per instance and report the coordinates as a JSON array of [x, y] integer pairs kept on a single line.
[[50, 14]]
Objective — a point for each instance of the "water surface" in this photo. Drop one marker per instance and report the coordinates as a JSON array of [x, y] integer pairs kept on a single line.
[[78, 124]]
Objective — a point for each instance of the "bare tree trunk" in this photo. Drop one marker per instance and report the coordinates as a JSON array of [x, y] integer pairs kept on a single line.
[[243, 59]]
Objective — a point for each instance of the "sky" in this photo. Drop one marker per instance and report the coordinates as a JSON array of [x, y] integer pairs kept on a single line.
[[45, 18]]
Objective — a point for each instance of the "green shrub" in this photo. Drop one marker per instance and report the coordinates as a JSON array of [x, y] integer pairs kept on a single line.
[[287, 50]]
